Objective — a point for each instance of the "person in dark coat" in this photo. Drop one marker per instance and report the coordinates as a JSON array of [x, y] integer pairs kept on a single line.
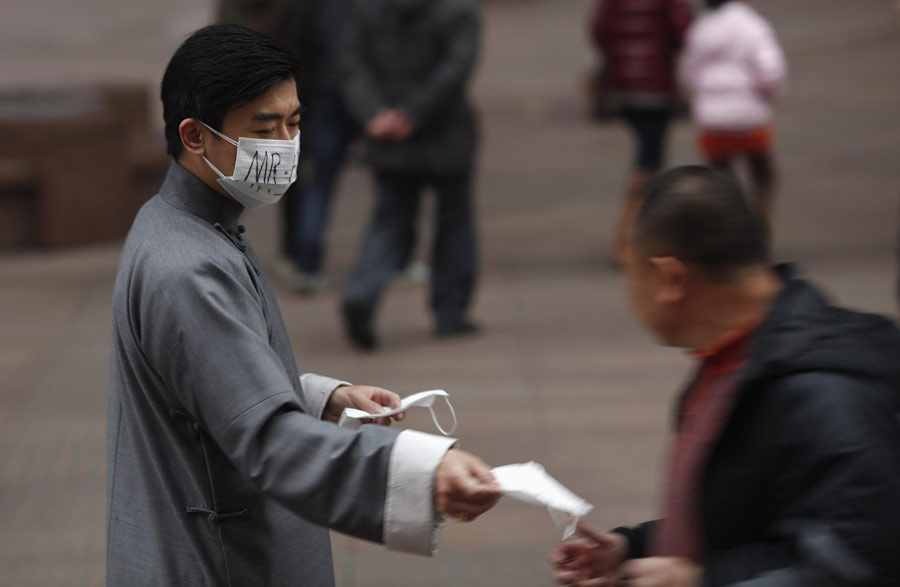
[[311, 29], [639, 41], [785, 466], [406, 65]]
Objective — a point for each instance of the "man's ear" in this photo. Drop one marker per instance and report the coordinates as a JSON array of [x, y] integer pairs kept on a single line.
[[671, 280], [192, 136]]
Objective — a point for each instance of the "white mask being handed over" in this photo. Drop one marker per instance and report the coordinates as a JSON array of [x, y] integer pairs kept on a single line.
[[263, 170]]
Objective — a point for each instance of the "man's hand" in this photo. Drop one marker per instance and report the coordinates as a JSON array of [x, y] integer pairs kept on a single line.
[[590, 561], [389, 124], [365, 398], [661, 571], [463, 486], [401, 125]]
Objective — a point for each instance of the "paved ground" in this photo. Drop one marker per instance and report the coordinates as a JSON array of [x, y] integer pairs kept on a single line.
[[562, 375]]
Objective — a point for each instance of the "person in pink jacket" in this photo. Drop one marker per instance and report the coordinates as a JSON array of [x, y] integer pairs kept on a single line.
[[733, 70]]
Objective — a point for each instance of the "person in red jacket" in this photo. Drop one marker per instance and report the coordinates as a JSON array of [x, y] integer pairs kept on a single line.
[[639, 41]]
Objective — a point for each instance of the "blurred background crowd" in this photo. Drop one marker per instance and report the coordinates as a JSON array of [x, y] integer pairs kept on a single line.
[[472, 238]]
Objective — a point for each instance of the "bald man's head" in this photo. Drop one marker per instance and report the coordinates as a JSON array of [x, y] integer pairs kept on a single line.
[[701, 217]]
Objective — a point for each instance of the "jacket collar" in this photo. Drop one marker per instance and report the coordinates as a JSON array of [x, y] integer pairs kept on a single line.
[[797, 302], [785, 303], [189, 193]]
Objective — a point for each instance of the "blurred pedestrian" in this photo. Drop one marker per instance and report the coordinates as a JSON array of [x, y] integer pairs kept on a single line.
[[639, 41], [785, 466], [311, 29], [264, 16], [734, 69], [226, 465], [406, 65]]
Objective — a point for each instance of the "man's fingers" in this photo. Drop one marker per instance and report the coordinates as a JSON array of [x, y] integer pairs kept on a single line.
[[564, 553], [459, 488], [470, 498], [481, 472], [566, 577], [386, 398], [599, 537], [472, 490], [391, 400], [482, 480], [573, 578], [377, 400], [371, 407]]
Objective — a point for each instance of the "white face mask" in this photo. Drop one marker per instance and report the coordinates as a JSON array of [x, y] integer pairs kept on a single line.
[[530, 483], [351, 418], [263, 170]]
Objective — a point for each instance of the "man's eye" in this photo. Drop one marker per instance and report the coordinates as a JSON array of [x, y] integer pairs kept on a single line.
[[265, 131], [294, 124]]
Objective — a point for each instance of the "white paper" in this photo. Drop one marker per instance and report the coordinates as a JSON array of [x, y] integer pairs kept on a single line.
[[529, 482]]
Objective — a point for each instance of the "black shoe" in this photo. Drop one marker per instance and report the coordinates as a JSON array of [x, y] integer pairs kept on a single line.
[[358, 326], [456, 328]]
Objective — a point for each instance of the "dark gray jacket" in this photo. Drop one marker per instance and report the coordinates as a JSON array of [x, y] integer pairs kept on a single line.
[[417, 55]]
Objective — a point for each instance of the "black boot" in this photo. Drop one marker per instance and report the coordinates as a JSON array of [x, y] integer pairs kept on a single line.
[[358, 326]]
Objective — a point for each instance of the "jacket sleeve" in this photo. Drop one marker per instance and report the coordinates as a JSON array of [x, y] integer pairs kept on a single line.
[[361, 93], [835, 466], [768, 64], [638, 539], [205, 333], [599, 31], [689, 61], [450, 76], [680, 16]]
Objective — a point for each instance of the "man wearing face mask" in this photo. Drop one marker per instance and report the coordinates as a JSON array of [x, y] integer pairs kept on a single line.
[[224, 464]]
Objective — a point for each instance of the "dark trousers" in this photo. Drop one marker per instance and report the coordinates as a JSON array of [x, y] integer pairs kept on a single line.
[[454, 253], [649, 126], [308, 201]]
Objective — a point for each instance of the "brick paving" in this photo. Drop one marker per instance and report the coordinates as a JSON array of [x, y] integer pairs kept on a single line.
[[562, 374]]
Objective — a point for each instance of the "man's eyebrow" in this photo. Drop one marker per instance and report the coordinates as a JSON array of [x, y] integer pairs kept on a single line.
[[263, 116]]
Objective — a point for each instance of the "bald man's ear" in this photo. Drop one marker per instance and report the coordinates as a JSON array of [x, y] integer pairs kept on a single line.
[[671, 276], [192, 136]]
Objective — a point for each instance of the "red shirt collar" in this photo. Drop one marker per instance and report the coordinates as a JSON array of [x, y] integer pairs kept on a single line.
[[729, 343]]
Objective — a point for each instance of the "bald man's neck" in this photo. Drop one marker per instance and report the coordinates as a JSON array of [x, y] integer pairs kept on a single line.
[[719, 310]]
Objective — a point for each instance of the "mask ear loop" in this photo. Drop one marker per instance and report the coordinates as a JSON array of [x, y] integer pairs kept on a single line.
[[211, 166], [229, 139], [435, 420]]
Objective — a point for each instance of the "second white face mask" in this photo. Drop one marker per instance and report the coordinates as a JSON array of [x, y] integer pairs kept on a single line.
[[263, 169], [352, 418]]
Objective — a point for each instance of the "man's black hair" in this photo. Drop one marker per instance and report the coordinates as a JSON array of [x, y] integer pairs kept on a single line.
[[217, 69], [713, 4], [702, 217]]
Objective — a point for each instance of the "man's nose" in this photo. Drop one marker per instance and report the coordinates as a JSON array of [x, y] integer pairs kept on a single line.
[[285, 132]]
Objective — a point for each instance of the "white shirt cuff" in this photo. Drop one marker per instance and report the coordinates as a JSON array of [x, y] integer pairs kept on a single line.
[[317, 389], [410, 520]]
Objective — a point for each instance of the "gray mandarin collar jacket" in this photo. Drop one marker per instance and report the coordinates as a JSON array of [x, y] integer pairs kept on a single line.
[[219, 469]]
